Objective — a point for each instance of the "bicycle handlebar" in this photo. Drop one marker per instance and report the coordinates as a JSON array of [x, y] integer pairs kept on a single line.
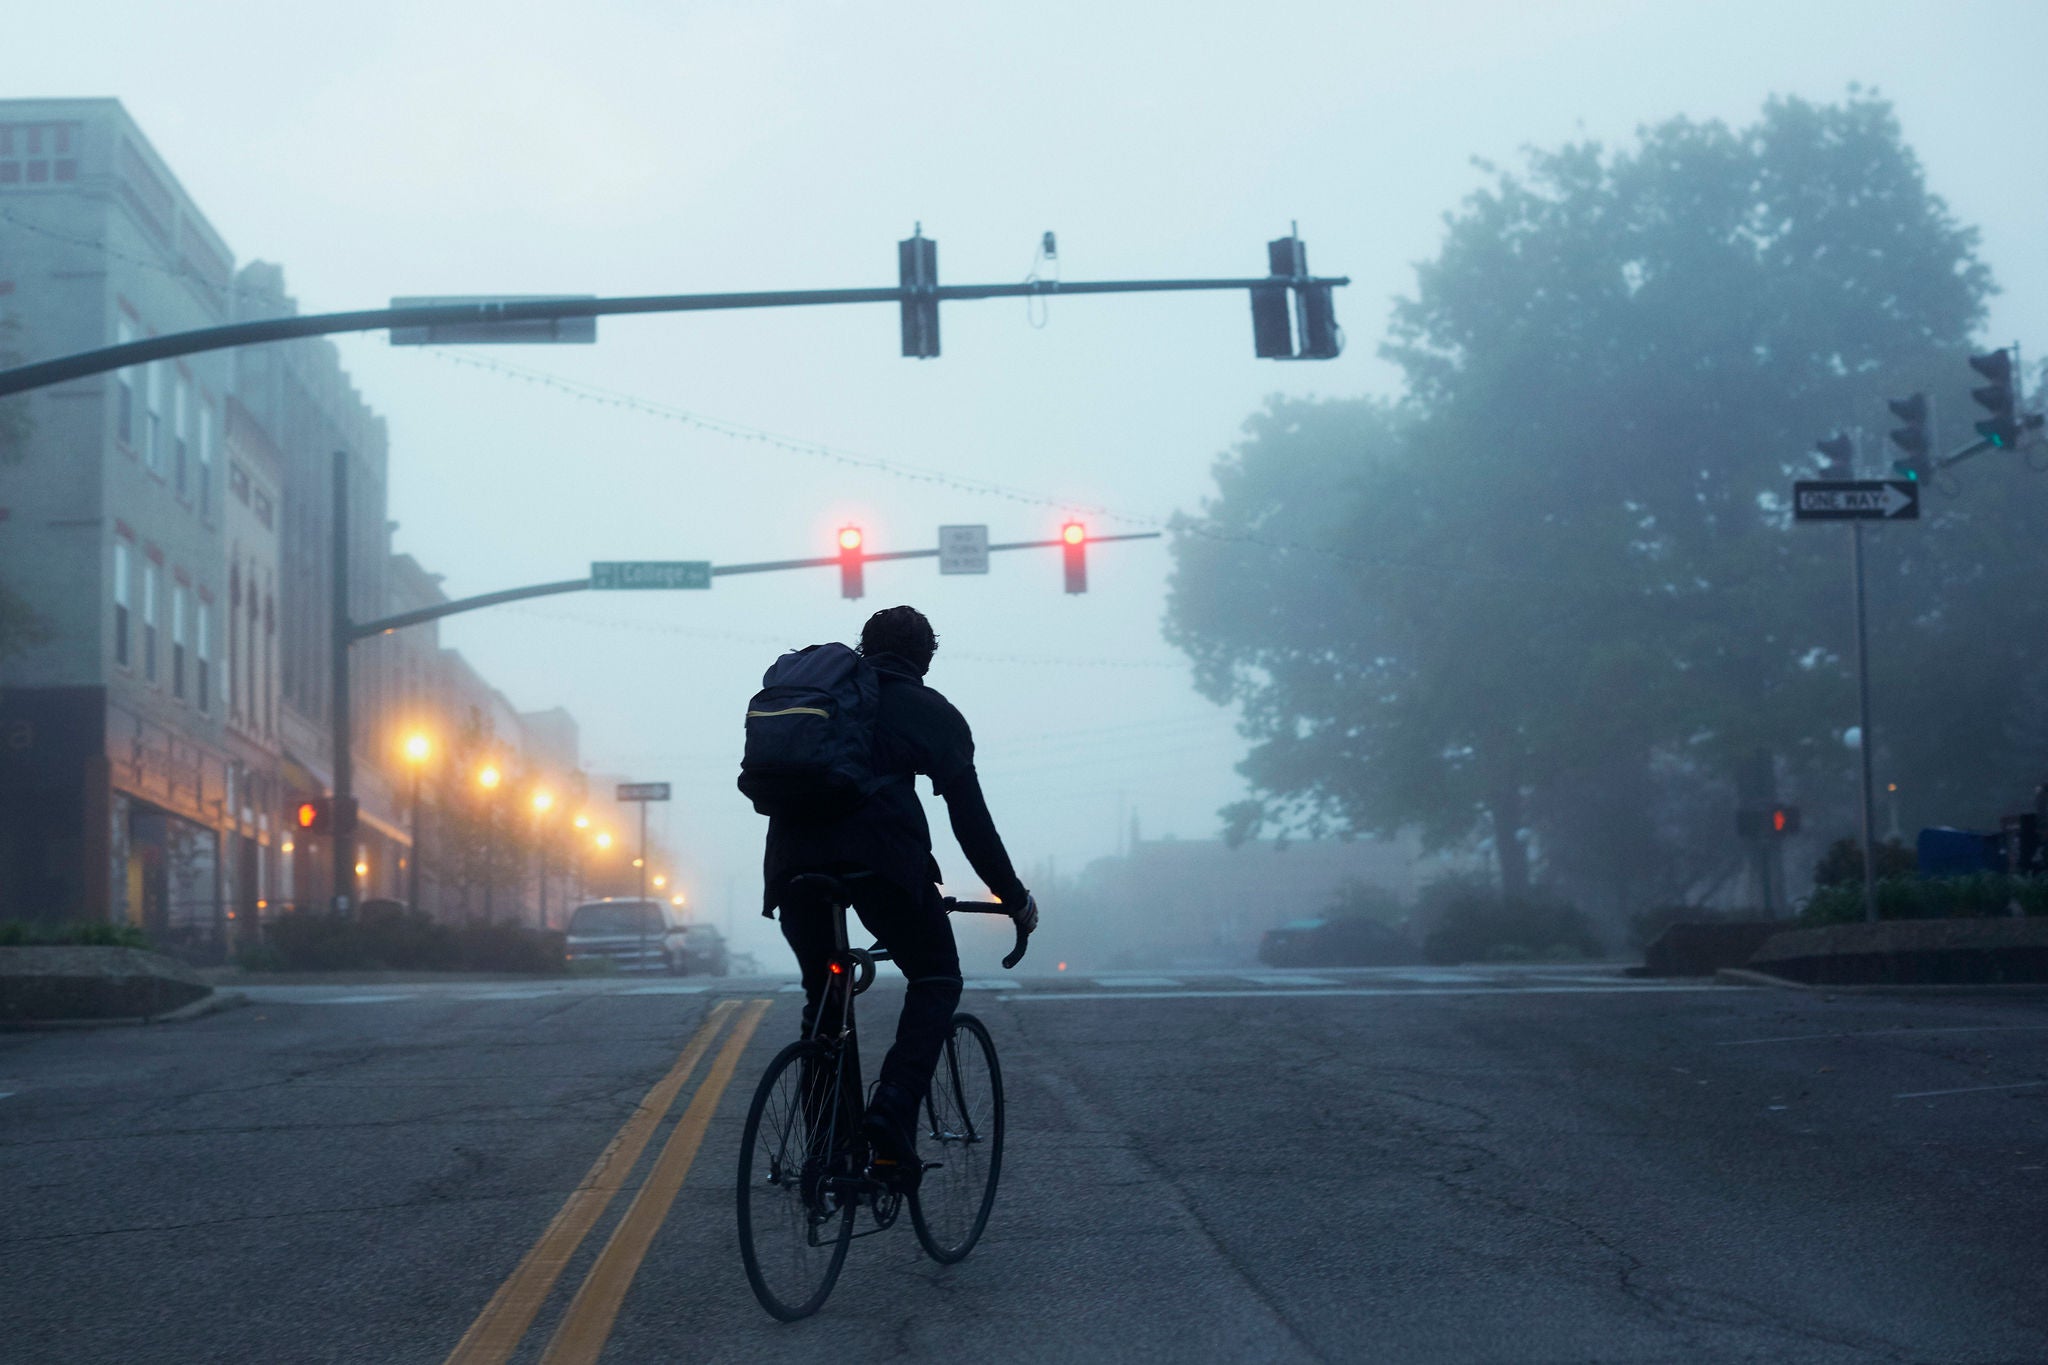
[[995, 908]]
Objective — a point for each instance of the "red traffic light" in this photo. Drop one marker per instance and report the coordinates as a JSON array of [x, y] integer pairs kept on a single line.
[[1074, 549], [852, 575]]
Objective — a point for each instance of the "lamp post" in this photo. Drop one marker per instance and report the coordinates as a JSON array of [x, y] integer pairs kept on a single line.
[[542, 801], [488, 779], [580, 824], [416, 751]]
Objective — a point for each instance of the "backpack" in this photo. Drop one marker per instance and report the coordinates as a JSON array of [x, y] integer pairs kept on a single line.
[[810, 734]]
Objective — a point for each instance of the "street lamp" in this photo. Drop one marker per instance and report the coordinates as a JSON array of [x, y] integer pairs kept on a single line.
[[660, 881], [489, 779], [542, 801], [417, 750]]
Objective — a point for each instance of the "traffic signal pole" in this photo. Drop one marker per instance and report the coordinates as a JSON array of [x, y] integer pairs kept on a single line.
[[1864, 744], [344, 836]]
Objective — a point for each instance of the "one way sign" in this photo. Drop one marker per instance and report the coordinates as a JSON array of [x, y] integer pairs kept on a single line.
[[1856, 500]]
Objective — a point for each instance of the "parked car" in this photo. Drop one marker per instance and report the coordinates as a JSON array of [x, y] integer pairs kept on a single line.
[[632, 935], [1336, 941]]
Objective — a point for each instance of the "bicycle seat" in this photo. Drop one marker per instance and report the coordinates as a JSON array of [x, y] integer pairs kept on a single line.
[[824, 885]]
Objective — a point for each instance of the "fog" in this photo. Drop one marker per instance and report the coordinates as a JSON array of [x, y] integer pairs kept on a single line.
[[381, 149]]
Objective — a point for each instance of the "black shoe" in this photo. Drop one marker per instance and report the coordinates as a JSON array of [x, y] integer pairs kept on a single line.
[[891, 1132]]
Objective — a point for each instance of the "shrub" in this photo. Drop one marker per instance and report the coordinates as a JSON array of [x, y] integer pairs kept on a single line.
[[1982, 895], [1842, 865], [386, 936], [1472, 923], [86, 933]]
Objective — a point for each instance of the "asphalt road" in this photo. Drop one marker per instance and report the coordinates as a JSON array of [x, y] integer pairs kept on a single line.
[[1487, 1165]]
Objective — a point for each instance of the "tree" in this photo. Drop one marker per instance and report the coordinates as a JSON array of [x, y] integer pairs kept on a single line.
[[1563, 569]]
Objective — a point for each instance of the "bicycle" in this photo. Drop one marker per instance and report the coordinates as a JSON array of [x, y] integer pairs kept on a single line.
[[803, 1170]]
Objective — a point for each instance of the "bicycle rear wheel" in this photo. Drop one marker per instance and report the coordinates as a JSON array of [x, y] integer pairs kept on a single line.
[[794, 1232], [963, 1134]]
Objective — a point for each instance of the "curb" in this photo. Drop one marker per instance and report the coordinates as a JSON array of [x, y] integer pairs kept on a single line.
[[214, 1003], [1749, 976]]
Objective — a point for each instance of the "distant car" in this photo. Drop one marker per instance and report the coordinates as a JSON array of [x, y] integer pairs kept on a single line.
[[704, 951], [1336, 941], [632, 935]]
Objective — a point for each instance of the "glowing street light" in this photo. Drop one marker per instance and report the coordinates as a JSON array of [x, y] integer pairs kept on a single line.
[[581, 822], [489, 778], [659, 881], [417, 748], [542, 800], [604, 840]]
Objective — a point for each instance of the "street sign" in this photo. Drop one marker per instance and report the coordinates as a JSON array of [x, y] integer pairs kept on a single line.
[[527, 331], [614, 576], [643, 791], [963, 549], [1856, 500]]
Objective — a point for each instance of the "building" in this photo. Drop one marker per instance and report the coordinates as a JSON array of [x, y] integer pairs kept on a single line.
[[170, 526]]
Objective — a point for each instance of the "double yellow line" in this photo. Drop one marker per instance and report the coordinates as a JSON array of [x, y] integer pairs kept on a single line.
[[587, 1324]]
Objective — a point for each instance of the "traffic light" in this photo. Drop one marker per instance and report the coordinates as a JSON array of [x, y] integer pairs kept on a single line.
[[851, 563], [1837, 456], [1272, 323], [1766, 822], [1074, 549], [1275, 333], [318, 815], [1912, 438], [1321, 338], [917, 268], [2002, 427]]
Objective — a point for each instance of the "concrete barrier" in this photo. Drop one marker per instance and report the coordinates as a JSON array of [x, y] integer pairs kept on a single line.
[[45, 984], [1910, 952]]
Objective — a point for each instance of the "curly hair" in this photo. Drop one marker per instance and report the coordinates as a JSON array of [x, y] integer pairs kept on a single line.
[[902, 631]]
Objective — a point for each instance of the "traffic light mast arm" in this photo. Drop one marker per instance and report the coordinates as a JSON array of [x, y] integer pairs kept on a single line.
[[362, 630], [43, 373]]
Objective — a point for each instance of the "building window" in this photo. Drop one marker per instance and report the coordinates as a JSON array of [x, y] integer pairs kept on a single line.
[[150, 574], [124, 388], [205, 443], [153, 417], [120, 604], [264, 512], [202, 655], [178, 641], [181, 403]]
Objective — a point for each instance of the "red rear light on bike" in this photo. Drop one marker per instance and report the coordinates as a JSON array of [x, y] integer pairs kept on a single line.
[[838, 970]]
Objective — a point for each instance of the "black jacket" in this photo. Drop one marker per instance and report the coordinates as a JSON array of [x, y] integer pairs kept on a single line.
[[917, 731]]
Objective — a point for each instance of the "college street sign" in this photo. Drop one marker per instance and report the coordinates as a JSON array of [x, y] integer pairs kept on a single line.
[[1856, 500], [618, 576]]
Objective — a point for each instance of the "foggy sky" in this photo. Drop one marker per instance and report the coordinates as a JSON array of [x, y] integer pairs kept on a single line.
[[384, 149]]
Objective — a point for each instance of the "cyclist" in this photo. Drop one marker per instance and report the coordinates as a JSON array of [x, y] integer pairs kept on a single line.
[[882, 852]]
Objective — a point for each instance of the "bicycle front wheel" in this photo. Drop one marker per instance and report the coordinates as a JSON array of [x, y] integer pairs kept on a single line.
[[793, 1230], [963, 1136]]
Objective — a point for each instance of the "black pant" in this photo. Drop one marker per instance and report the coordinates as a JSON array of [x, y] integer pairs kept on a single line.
[[916, 931]]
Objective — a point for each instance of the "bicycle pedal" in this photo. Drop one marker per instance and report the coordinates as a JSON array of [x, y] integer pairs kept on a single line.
[[933, 1165]]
